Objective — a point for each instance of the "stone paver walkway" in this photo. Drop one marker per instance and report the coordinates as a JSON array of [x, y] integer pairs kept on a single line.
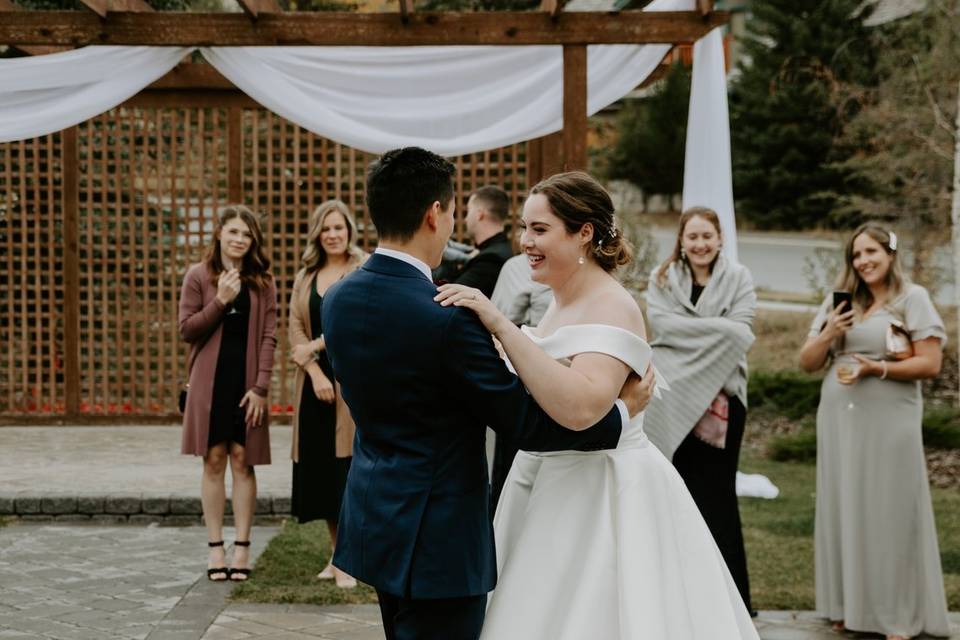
[[101, 460], [106, 583], [297, 622], [148, 583]]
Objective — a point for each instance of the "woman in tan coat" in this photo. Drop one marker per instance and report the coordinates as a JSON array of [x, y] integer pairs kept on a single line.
[[322, 427], [228, 314]]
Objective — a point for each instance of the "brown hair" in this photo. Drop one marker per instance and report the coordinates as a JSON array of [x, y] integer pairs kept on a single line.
[[678, 255], [255, 270], [851, 281], [578, 199], [315, 257], [495, 200]]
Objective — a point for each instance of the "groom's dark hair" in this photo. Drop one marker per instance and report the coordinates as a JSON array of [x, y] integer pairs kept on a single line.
[[401, 185]]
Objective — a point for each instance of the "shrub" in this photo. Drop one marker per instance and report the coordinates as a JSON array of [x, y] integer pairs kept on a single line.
[[941, 428], [791, 394], [796, 447]]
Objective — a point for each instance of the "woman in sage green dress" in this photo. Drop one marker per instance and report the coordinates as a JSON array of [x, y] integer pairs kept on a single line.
[[877, 560]]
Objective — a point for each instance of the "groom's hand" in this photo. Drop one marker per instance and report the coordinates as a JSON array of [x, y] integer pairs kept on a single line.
[[637, 391]]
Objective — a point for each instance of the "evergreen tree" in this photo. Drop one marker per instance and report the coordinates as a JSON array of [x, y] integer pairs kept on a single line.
[[649, 151], [787, 111], [906, 132]]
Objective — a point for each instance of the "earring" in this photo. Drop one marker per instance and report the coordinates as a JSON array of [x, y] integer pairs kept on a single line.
[[580, 260]]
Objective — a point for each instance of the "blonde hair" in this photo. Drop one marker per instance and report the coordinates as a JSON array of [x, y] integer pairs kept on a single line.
[[678, 255], [314, 256], [851, 281]]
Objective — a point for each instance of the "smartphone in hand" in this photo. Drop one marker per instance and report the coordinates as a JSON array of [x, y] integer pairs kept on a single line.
[[839, 297]]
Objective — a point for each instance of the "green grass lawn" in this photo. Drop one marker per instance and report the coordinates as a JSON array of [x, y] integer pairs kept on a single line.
[[286, 571], [779, 536]]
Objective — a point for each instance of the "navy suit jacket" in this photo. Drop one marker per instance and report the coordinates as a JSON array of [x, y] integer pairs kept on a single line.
[[422, 382]]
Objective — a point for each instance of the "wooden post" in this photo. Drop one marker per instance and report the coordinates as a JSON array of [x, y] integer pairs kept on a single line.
[[574, 107], [234, 155], [955, 213], [71, 270]]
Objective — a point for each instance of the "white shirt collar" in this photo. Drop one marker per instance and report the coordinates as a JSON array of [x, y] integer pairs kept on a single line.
[[421, 266]]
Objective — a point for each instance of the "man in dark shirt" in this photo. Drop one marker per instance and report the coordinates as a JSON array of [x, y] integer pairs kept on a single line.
[[487, 212]]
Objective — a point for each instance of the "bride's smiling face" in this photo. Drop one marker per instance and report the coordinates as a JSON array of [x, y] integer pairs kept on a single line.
[[552, 251]]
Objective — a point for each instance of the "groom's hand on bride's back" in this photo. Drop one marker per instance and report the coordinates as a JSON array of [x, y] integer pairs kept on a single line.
[[637, 391]]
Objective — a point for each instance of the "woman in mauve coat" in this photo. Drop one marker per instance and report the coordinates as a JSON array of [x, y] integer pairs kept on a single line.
[[228, 314]]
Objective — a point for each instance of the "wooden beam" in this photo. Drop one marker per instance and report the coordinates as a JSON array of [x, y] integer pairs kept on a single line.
[[575, 107], [99, 7], [553, 7], [189, 75], [71, 269], [254, 8], [192, 98], [341, 28], [37, 50]]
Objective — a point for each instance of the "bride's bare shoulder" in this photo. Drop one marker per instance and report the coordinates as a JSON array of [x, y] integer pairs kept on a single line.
[[615, 306]]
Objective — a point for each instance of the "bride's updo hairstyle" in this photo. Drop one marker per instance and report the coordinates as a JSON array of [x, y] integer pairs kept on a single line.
[[577, 199]]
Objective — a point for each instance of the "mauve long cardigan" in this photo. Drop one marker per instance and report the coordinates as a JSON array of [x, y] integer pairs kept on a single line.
[[200, 325]]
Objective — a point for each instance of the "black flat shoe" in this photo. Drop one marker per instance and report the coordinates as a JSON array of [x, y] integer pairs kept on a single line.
[[222, 572]]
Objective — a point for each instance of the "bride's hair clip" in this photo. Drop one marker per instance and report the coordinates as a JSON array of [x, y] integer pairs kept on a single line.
[[892, 243], [611, 232]]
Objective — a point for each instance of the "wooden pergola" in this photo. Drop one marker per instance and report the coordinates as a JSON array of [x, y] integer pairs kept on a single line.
[[263, 23]]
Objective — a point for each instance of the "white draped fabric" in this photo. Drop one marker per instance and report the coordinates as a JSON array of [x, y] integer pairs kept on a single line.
[[707, 172], [451, 100], [44, 94]]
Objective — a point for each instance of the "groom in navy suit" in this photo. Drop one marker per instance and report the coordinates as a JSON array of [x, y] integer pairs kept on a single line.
[[422, 382]]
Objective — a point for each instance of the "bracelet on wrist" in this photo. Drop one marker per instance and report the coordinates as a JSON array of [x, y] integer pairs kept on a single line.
[[883, 376]]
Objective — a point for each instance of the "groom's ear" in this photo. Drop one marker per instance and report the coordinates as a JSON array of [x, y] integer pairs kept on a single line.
[[431, 217]]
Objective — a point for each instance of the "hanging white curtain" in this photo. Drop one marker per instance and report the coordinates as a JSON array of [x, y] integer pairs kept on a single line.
[[44, 94], [707, 171], [451, 100]]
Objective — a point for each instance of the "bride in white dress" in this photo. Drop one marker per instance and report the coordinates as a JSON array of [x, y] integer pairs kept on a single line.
[[597, 544]]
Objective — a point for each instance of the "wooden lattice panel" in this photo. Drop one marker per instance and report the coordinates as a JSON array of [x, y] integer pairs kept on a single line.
[[505, 168], [31, 278], [150, 182]]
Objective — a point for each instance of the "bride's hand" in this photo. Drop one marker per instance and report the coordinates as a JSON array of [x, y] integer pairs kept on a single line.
[[637, 391], [473, 299]]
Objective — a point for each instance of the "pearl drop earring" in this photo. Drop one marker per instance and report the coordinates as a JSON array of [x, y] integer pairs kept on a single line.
[[580, 260]]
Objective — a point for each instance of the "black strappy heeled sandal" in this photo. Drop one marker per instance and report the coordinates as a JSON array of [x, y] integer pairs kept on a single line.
[[239, 572], [217, 570]]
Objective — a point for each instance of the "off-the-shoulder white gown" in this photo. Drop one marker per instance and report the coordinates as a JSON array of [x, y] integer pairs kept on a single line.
[[607, 545]]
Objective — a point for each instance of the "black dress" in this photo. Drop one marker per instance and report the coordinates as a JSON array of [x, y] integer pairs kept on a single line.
[[711, 476], [320, 476], [226, 415]]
